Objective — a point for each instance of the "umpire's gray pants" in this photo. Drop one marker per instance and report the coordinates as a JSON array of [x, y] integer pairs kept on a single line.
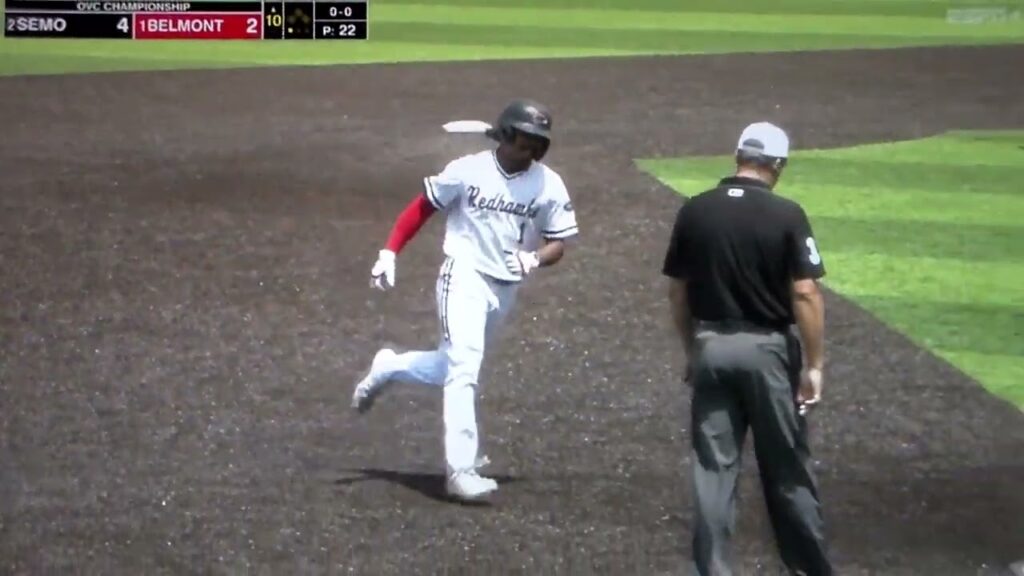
[[749, 379]]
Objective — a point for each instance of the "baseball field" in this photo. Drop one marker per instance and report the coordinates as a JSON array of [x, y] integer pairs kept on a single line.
[[186, 231]]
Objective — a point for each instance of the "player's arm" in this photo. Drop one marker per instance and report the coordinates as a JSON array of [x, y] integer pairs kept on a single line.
[[806, 268], [551, 252], [438, 192], [554, 241], [557, 224], [676, 268], [409, 222], [682, 321], [809, 311]]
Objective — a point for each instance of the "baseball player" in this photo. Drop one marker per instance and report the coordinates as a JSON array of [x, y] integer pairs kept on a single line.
[[507, 215]]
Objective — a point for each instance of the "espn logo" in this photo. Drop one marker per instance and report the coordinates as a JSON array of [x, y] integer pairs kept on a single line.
[[981, 15]]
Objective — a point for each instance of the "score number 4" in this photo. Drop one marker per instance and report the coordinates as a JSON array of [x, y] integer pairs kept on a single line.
[[251, 24]]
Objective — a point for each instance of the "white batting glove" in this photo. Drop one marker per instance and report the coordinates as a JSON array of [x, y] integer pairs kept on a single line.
[[521, 263], [382, 277]]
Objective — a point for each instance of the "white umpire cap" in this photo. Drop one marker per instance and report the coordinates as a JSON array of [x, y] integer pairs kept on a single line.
[[763, 139]]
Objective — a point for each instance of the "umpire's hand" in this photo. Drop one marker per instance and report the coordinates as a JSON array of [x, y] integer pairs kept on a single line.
[[809, 394]]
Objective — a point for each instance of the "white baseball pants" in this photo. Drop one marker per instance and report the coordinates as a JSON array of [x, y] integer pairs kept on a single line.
[[471, 309]]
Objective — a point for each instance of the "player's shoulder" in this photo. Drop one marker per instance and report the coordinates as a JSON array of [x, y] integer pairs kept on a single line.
[[550, 173], [552, 181], [696, 200], [788, 207], [484, 156]]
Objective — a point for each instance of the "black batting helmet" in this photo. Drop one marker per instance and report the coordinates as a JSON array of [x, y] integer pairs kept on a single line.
[[525, 115]]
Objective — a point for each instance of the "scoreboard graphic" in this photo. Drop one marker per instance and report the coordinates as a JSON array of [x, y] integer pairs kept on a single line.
[[200, 20]]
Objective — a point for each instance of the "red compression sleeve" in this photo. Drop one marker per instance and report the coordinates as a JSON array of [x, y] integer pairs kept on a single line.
[[409, 222]]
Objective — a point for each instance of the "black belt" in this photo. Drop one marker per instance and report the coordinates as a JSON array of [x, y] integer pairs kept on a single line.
[[737, 326]]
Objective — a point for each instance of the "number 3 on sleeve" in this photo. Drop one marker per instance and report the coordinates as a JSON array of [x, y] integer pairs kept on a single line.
[[813, 256]]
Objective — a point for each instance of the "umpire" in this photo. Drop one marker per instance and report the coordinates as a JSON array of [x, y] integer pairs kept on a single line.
[[743, 268]]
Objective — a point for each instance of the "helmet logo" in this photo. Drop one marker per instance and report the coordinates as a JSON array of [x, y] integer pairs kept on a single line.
[[537, 116]]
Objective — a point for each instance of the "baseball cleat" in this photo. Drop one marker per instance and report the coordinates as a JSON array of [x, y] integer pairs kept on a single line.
[[372, 384], [470, 486]]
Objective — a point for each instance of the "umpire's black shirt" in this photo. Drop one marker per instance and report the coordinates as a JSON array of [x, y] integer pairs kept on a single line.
[[739, 247]]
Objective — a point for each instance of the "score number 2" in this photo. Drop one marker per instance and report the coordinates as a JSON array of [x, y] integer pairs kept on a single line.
[[251, 25]]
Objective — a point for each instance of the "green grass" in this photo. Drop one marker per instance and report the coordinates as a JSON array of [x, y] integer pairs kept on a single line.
[[927, 235], [402, 31]]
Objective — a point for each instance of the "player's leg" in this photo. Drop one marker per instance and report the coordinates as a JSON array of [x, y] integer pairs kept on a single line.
[[503, 303], [426, 367], [780, 443], [463, 302], [719, 428]]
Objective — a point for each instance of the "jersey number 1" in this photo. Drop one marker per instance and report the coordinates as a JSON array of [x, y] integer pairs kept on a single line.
[[522, 232]]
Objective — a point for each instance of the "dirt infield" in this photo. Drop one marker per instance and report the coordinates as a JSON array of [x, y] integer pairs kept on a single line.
[[185, 308]]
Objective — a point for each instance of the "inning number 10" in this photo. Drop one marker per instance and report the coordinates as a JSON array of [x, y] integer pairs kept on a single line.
[[274, 20]]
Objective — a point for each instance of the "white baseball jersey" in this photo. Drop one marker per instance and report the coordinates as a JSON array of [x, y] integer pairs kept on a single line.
[[491, 212]]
